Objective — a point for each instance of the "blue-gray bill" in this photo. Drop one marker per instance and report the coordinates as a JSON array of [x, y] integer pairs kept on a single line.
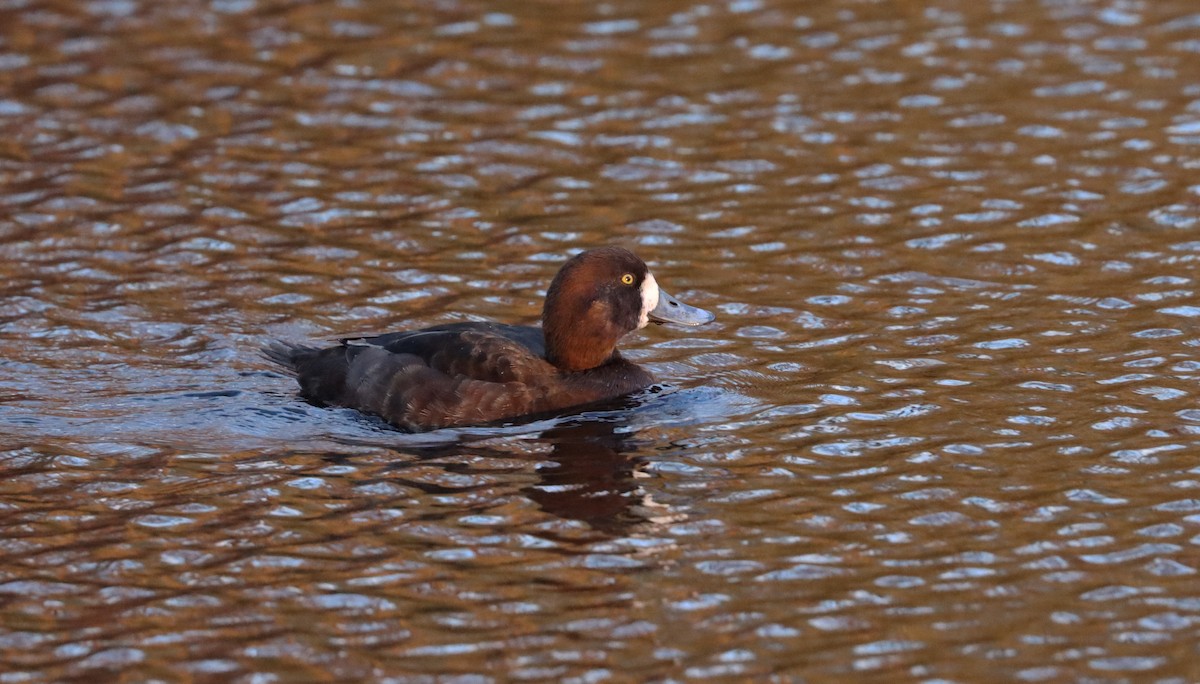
[[671, 310]]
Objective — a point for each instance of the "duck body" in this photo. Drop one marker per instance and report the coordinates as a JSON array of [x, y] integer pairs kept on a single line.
[[477, 373]]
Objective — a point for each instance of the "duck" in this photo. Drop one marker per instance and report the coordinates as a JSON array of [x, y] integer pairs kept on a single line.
[[483, 373]]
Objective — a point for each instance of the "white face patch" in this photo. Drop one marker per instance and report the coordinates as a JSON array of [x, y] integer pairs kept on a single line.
[[649, 299]]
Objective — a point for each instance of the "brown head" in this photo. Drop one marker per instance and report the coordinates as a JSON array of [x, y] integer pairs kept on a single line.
[[597, 297]]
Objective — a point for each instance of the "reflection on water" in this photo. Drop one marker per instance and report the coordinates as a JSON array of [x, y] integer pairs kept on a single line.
[[589, 478], [943, 425], [583, 467]]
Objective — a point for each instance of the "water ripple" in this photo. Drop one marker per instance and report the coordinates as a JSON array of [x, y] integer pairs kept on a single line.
[[951, 366]]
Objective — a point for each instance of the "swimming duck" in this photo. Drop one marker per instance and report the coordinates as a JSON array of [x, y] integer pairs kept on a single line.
[[477, 373]]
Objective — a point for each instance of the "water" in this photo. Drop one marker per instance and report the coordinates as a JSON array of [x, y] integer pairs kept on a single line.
[[942, 429]]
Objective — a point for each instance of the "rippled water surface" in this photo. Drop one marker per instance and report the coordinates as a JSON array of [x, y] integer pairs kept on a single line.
[[945, 427]]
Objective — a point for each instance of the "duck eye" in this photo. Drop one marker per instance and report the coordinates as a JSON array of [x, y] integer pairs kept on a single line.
[[627, 279]]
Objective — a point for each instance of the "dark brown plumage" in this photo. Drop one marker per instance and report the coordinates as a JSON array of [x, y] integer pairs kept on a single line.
[[476, 373]]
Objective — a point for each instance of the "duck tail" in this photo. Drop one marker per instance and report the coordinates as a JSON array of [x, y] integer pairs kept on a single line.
[[290, 356]]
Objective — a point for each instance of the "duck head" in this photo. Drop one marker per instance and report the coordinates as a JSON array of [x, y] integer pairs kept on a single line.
[[597, 297]]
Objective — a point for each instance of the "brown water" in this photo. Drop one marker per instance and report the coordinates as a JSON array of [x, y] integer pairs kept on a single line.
[[944, 429]]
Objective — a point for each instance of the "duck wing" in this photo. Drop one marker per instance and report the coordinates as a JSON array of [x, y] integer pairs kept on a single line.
[[461, 374]]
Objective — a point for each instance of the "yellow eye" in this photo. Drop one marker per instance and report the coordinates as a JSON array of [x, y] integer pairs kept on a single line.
[[627, 278]]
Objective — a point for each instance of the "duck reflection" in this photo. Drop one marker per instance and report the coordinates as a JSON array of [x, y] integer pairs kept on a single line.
[[590, 477], [586, 472]]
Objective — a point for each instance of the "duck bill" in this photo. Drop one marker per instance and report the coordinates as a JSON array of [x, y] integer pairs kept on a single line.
[[671, 310]]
